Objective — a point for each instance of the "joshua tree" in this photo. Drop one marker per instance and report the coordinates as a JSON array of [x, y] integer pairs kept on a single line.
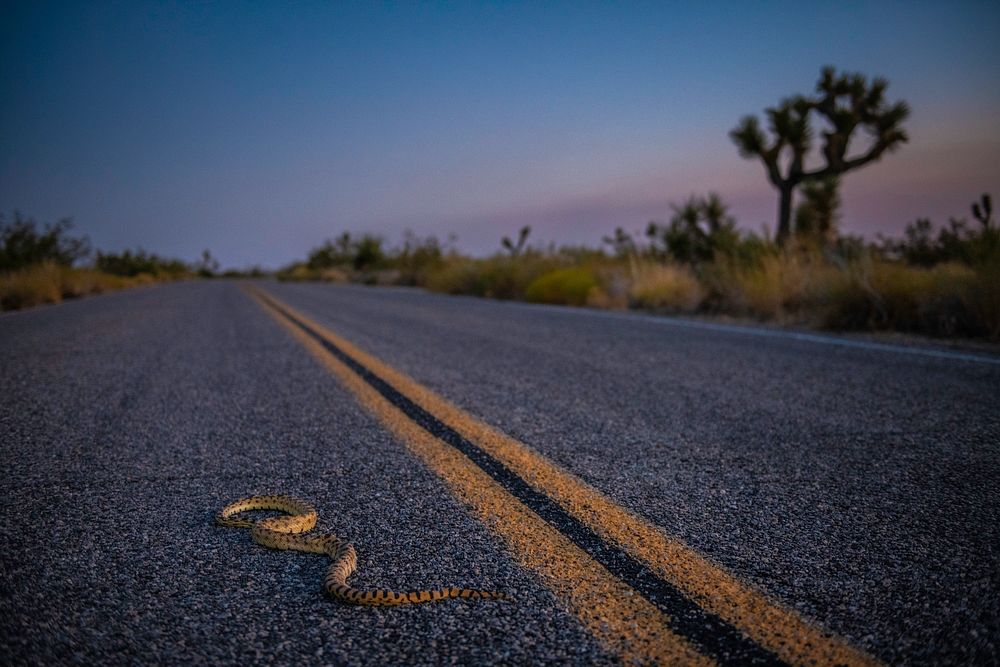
[[622, 243], [207, 266], [845, 102], [515, 248], [982, 211]]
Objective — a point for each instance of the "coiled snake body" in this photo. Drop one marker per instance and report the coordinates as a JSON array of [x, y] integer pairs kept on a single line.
[[288, 533]]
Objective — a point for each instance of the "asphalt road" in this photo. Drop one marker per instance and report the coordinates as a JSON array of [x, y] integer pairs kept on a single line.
[[857, 486]]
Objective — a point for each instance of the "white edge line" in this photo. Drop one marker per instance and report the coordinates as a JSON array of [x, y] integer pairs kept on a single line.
[[665, 320]]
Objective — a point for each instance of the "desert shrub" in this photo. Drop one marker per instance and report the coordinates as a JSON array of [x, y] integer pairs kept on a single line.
[[362, 253], [982, 297], [748, 249], [248, 272], [332, 252], [498, 277], [946, 299], [509, 277], [774, 285], [958, 241], [699, 229], [132, 263], [347, 253], [368, 253], [23, 244], [417, 259], [767, 289], [456, 275], [666, 287], [569, 286]]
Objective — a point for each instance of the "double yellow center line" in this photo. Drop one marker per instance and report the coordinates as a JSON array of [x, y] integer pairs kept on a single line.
[[646, 596]]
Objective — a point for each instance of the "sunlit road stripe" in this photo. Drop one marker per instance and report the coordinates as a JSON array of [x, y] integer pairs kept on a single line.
[[629, 545], [625, 623]]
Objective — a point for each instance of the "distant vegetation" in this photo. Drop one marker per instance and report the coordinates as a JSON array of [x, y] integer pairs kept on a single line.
[[22, 244], [131, 263], [937, 280], [365, 259], [46, 264]]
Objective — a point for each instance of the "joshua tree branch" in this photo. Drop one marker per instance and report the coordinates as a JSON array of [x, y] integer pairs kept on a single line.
[[838, 165]]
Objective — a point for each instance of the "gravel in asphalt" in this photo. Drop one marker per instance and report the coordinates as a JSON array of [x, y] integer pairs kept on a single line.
[[128, 421], [859, 487]]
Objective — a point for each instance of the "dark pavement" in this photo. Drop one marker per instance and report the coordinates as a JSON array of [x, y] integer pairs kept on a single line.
[[859, 486]]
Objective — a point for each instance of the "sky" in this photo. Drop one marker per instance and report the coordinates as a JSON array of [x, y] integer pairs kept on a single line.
[[259, 129]]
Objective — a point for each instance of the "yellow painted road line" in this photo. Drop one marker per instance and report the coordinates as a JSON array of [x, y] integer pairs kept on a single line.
[[624, 622], [782, 632]]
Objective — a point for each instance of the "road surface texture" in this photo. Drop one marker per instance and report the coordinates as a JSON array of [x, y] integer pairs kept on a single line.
[[853, 488]]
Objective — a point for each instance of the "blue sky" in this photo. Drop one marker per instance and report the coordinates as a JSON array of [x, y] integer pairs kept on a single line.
[[259, 129]]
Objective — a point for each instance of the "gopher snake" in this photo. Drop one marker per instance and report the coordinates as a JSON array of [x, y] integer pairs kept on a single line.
[[286, 533]]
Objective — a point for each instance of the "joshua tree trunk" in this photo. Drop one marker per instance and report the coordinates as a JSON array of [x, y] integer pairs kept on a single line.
[[784, 214]]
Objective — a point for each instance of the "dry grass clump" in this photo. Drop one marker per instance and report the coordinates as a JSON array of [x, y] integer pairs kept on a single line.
[[982, 298], [666, 287], [30, 286], [614, 280], [773, 286], [867, 293], [51, 283], [946, 299], [457, 276]]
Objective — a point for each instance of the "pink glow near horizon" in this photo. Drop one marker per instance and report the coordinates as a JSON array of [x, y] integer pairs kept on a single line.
[[931, 177]]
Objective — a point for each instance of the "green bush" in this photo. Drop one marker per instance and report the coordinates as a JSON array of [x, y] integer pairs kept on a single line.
[[569, 287]]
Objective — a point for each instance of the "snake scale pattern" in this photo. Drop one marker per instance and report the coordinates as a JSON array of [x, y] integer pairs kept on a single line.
[[289, 533]]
